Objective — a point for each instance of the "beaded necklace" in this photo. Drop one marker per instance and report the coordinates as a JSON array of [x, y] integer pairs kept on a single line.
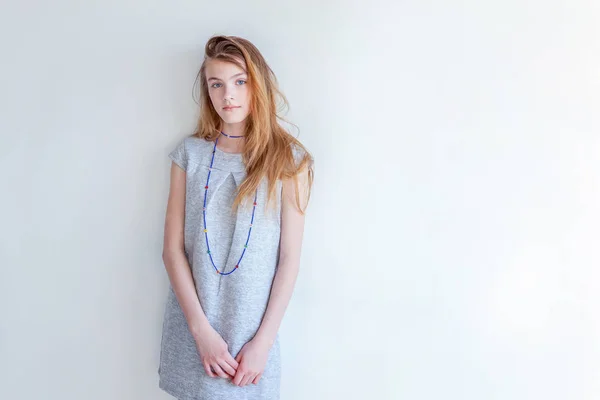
[[237, 265]]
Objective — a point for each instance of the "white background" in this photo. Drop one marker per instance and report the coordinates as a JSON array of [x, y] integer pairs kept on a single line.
[[452, 245]]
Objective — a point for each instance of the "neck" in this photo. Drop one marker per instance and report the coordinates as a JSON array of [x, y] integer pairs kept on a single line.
[[232, 145], [236, 129]]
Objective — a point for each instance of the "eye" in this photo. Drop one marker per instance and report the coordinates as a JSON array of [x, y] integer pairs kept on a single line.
[[213, 85], [241, 80]]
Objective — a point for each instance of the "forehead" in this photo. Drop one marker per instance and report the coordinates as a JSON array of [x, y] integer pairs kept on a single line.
[[222, 69]]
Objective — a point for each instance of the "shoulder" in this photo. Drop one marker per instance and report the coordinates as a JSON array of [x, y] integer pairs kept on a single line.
[[190, 150], [198, 147], [296, 189], [300, 153]]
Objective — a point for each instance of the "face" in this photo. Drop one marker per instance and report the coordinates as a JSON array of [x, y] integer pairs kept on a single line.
[[228, 90]]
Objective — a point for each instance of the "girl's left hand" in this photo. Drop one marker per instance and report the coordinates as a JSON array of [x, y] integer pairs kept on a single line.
[[252, 360]]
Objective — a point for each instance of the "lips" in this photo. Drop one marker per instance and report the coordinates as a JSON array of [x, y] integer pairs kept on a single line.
[[229, 108]]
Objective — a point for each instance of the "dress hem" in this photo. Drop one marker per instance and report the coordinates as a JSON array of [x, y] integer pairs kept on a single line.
[[174, 390]]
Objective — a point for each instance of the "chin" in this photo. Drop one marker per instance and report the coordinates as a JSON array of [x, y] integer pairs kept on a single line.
[[231, 119]]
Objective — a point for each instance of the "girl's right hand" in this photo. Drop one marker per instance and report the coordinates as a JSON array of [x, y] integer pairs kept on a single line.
[[214, 354]]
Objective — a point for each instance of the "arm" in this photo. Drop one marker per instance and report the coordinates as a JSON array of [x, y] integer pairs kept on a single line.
[[254, 354], [174, 258], [213, 350], [292, 230]]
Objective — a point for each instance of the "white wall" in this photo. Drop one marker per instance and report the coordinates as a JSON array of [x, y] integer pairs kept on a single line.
[[451, 250]]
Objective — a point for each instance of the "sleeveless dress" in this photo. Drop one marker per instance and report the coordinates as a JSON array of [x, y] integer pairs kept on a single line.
[[235, 303]]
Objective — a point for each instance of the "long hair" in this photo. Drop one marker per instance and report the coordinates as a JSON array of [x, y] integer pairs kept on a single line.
[[270, 151]]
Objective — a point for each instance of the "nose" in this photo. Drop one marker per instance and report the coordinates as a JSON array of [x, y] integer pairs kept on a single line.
[[229, 93]]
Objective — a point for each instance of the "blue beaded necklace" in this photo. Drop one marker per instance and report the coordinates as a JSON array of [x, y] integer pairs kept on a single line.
[[237, 265]]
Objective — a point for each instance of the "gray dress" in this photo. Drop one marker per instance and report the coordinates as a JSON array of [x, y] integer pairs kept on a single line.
[[235, 303]]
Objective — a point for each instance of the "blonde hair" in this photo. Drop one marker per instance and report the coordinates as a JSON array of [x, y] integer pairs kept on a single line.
[[270, 151]]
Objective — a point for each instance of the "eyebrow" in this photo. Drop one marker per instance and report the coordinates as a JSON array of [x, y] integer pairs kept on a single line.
[[241, 73]]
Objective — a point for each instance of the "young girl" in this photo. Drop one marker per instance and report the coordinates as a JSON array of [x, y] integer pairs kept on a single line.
[[239, 187]]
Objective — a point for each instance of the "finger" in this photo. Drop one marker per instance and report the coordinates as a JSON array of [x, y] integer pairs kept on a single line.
[[219, 371], [255, 381], [208, 370], [246, 379], [234, 362], [227, 368], [238, 378]]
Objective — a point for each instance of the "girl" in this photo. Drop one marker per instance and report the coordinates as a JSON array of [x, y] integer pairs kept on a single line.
[[239, 188]]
